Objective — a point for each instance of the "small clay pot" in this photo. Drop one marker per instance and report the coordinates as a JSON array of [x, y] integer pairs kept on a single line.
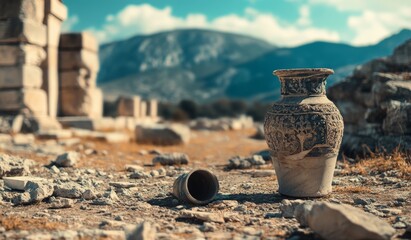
[[197, 187]]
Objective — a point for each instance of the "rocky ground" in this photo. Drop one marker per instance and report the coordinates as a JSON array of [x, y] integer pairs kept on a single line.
[[95, 190]]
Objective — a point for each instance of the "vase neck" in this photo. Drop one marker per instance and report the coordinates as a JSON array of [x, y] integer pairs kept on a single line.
[[303, 86]]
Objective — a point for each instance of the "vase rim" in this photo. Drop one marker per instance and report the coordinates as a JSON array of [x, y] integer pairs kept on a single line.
[[295, 72]]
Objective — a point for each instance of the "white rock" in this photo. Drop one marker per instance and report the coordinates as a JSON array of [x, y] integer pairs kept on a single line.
[[173, 134], [341, 221], [144, 231], [62, 203], [19, 183], [68, 159], [23, 139]]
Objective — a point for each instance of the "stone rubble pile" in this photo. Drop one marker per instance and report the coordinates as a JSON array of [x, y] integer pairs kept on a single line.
[[78, 67], [238, 162], [138, 203], [14, 166], [375, 102], [222, 124]]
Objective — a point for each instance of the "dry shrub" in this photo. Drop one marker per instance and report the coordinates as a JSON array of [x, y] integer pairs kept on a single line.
[[381, 162]]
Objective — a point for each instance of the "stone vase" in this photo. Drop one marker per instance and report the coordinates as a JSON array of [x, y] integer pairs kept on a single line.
[[304, 132]]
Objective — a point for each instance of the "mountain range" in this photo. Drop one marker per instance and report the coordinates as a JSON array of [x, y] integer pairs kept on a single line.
[[204, 65]]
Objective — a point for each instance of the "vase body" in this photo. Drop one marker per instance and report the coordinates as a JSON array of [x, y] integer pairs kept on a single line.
[[304, 131]]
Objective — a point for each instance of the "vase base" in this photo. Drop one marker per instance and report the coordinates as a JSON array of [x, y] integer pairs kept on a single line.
[[302, 195]]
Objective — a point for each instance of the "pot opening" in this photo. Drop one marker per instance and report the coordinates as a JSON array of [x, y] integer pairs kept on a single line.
[[202, 185]]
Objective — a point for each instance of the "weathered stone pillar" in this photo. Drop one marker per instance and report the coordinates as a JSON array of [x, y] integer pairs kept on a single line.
[[22, 38], [143, 109], [128, 106], [78, 67], [152, 110], [55, 14]]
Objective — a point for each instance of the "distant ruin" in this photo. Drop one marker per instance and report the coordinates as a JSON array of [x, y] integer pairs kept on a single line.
[[49, 75]]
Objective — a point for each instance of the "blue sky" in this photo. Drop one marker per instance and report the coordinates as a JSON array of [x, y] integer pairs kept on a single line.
[[281, 22]]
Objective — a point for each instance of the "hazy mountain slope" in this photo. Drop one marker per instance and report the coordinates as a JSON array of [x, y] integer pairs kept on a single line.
[[200, 51], [205, 65]]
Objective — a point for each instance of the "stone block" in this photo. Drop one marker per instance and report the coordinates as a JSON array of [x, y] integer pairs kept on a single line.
[[57, 9], [114, 137], [20, 76], [80, 78], [54, 134], [40, 123], [152, 108], [16, 30], [23, 9], [78, 41], [73, 60], [143, 109], [50, 79], [21, 54], [128, 106], [35, 100], [19, 183], [77, 123], [397, 120], [81, 102], [53, 30], [159, 134]]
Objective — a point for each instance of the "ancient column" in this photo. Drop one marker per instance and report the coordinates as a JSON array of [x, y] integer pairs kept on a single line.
[[143, 109], [128, 106], [78, 68], [55, 14], [152, 110], [22, 38]]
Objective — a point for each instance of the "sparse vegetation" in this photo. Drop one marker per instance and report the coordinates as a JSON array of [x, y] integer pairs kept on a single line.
[[378, 163]]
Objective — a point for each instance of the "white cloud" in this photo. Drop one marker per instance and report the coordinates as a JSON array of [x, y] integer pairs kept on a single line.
[[305, 18], [69, 23], [146, 19], [370, 27], [372, 20], [361, 5]]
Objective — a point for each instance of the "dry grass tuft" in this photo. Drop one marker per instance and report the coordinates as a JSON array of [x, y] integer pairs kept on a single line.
[[381, 162]]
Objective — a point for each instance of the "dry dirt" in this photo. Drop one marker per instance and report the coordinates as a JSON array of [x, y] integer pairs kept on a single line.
[[250, 205]]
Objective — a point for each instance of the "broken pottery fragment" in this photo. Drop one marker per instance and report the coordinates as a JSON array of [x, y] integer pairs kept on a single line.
[[197, 187]]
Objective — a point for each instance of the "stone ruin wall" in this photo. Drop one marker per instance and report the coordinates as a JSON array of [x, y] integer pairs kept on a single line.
[[78, 68], [22, 42], [46, 74]]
